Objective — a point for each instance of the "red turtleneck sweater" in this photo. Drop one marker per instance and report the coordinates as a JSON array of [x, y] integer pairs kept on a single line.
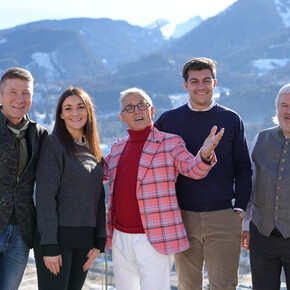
[[127, 214]]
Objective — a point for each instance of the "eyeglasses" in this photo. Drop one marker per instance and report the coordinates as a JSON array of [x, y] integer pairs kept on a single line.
[[131, 108]]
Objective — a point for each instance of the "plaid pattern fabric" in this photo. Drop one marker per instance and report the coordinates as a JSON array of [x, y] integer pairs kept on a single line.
[[164, 156]]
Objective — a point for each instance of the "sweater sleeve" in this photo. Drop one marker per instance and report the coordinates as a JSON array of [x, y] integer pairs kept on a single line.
[[250, 207], [50, 250], [48, 178], [242, 167], [100, 234]]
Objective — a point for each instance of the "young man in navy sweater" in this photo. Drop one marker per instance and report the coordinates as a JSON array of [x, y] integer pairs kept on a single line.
[[212, 208]]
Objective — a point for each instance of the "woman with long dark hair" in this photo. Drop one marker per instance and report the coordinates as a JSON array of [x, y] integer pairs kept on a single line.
[[70, 198]]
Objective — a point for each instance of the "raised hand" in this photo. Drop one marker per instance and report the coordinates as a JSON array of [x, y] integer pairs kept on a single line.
[[211, 142]]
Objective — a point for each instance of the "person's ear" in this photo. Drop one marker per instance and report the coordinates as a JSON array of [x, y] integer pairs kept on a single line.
[[185, 85], [152, 112], [123, 118]]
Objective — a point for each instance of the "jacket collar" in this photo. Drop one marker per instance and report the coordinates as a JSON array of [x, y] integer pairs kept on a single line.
[[3, 119], [154, 136]]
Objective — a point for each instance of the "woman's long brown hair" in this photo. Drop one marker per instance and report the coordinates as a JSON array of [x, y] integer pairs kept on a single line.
[[90, 128]]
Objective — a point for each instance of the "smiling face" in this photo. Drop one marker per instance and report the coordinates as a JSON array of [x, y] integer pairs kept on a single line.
[[138, 120], [283, 108], [16, 99], [200, 86], [74, 114]]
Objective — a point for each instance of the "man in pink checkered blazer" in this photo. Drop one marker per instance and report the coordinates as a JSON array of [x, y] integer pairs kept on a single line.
[[144, 224]]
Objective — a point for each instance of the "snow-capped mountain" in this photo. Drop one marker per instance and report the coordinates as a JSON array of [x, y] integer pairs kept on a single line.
[[171, 30], [185, 27], [65, 49], [283, 8], [250, 42], [167, 28]]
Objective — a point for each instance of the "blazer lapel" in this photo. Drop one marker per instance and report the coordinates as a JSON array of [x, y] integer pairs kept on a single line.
[[115, 158], [149, 150]]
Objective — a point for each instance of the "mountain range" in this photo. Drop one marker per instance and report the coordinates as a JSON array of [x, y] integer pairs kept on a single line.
[[250, 41]]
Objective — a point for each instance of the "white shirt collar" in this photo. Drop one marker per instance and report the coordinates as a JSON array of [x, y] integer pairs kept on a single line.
[[206, 109]]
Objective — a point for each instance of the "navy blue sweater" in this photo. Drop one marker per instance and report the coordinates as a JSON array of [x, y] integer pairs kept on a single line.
[[230, 178]]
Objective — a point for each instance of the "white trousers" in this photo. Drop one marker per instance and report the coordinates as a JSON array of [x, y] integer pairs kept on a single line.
[[137, 265]]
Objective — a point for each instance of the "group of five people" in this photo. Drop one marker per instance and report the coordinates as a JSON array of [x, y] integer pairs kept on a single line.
[[179, 190]]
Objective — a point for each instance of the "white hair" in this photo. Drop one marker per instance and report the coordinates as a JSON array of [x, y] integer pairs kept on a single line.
[[284, 90], [129, 91]]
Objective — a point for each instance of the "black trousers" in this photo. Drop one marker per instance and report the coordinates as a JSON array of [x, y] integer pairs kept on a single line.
[[267, 256], [71, 276]]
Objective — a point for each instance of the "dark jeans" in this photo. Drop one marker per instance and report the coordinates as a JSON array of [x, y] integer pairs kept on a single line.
[[267, 256], [13, 258], [71, 276]]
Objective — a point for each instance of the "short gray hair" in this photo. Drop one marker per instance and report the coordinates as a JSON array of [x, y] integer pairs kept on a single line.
[[17, 73], [129, 91], [284, 90]]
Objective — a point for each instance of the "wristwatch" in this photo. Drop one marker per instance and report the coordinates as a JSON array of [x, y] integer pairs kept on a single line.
[[241, 213], [209, 159]]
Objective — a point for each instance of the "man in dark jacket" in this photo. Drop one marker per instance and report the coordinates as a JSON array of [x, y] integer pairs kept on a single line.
[[20, 139]]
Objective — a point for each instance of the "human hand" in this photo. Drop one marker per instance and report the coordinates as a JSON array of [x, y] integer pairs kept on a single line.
[[53, 263], [92, 256], [211, 142], [245, 240], [237, 212]]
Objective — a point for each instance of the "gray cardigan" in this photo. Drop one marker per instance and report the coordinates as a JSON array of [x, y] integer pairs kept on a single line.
[[272, 186], [69, 191]]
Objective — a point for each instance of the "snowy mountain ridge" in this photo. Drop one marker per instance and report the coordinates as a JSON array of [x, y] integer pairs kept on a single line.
[[283, 8], [171, 30]]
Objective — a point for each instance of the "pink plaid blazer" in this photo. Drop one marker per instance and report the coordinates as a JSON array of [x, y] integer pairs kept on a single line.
[[164, 156]]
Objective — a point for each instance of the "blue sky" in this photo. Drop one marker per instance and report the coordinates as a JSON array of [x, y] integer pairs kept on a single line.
[[135, 12]]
